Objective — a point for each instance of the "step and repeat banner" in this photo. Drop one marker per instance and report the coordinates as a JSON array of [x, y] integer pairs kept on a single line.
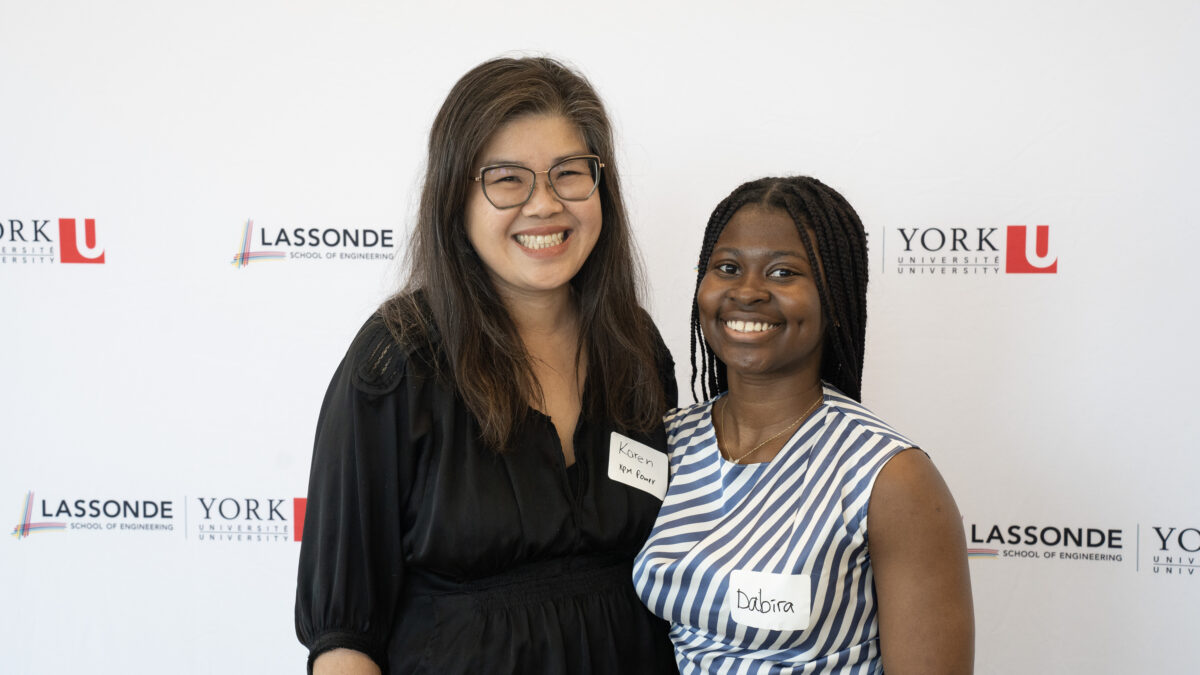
[[200, 203]]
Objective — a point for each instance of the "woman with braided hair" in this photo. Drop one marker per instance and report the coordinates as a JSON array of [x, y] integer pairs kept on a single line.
[[799, 530]]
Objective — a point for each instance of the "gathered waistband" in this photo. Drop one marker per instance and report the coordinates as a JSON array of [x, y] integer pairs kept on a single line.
[[530, 583]]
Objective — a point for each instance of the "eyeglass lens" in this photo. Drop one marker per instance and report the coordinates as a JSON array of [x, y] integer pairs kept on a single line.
[[572, 180]]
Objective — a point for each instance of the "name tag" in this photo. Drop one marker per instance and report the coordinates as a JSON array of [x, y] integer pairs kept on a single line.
[[637, 465], [771, 601]]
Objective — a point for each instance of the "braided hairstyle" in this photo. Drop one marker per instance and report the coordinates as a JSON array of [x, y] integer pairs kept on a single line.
[[841, 243]]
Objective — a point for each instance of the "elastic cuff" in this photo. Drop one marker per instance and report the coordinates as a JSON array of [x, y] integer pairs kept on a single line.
[[346, 640]]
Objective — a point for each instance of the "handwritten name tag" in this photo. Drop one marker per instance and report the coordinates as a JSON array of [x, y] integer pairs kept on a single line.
[[637, 465], [771, 601]]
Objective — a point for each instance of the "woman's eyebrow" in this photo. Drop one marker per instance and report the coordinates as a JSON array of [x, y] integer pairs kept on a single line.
[[492, 161], [729, 250]]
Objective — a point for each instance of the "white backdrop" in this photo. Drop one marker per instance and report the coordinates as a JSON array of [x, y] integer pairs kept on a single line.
[[1058, 401]]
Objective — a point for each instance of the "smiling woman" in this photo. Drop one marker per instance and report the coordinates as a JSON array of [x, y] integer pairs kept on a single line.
[[836, 548], [537, 241], [462, 515], [759, 304]]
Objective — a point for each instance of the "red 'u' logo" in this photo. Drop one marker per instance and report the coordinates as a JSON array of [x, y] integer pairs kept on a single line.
[[72, 252], [1029, 255]]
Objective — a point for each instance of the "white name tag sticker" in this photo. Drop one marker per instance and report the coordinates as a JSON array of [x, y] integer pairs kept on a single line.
[[771, 601], [637, 465]]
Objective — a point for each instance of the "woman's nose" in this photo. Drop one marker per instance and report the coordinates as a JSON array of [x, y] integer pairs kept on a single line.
[[749, 289], [543, 202]]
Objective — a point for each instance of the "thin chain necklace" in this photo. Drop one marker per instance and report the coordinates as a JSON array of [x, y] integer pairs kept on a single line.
[[725, 410]]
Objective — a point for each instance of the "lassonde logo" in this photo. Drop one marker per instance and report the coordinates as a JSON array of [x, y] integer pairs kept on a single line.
[[26, 526], [969, 251], [28, 242], [313, 244], [1072, 543], [98, 514], [245, 256], [983, 553]]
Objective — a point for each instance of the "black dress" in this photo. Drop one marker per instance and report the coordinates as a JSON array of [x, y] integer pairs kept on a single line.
[[431, 553]]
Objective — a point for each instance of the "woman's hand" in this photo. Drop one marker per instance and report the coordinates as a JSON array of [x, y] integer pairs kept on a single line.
[[919, 558], [344, 662]]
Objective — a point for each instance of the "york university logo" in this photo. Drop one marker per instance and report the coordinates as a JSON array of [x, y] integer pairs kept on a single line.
[[972, 251], [242, 509], [1175, 551], [32, 240], [248, 519], [79, 245], [1029, 253]]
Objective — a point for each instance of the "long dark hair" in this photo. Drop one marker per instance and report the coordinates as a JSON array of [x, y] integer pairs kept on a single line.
[[841, 243], [449, 285]]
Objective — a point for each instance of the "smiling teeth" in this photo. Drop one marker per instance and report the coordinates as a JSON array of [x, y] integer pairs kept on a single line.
[[749, 326], [536, 241]]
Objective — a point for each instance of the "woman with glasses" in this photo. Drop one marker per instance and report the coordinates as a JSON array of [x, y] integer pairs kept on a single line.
[[490, 453], [800, 532]]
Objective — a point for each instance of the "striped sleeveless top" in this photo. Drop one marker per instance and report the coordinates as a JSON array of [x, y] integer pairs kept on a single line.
[[764, 568]]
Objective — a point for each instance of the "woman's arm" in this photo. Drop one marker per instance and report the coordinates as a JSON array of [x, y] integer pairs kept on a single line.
[[344, 662], [918, 555], [351, 567]]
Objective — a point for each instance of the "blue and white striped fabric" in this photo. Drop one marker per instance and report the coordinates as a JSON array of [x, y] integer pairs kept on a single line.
[[803, 513]]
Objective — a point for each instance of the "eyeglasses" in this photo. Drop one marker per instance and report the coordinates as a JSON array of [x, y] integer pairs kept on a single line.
[[574, 179]]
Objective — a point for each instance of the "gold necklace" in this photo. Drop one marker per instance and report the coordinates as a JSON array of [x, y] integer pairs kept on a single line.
[[725, 409]]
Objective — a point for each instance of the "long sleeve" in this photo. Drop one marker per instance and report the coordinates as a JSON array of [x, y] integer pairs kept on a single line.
[[351, 567], [430, 552]]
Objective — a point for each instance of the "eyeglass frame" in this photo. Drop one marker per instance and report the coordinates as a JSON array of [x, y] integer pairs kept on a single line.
[[533, 186]]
